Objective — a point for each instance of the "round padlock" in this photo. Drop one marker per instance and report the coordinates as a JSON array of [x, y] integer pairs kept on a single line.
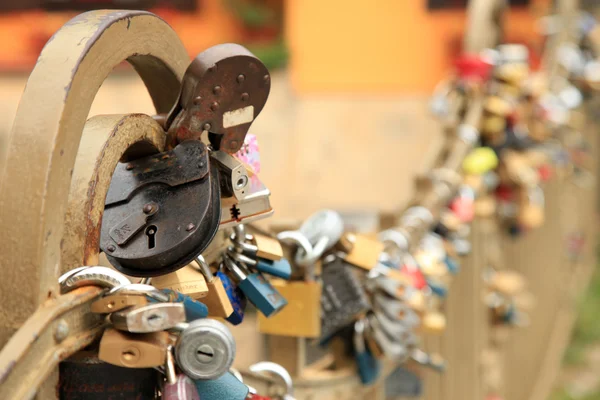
[[205, 349]]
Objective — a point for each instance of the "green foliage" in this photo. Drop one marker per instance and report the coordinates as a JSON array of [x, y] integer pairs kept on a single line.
[[274, 55]]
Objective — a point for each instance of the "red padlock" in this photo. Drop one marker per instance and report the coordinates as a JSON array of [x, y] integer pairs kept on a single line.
[[545, 172], [505, 193], [463, 205], [473, 67], [416, 276], [257, 397]]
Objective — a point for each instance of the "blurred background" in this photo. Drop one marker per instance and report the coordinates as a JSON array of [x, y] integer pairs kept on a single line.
[[347, 123]]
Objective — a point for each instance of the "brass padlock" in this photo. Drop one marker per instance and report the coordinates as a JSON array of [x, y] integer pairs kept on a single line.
[[187, 280], [493, 125], [301, 317], [361, 251], [498, 106], [118, 301], [433, 322], [129, 350], [216, 300]]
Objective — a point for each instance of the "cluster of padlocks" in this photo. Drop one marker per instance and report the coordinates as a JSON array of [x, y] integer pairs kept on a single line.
[[183, 259]]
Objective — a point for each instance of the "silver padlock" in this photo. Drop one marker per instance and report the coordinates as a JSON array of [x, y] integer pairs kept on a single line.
[[397, 310], [205, 349], [278, 371], [233, 175], [149, 318], [91, 276]]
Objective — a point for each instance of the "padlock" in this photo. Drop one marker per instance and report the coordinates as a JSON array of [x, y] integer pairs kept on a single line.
[[236, 298], [149, 318], [301, 317], [223, 90], [403, 382], [507, 282], [187, 280], [256, 288], [395, 351], [91, 276], [217, 301], [396, 310], [531, 210], [233, 176], [493, 126], [205, 349], [255, 206], [117, 302], [437, 287], [362, 251], [256, 245], [148, 228], [321, 231], [480, 160], [343, 298], [129, 350], [272, 370], [226, 387], [280, 268], [183, 389], [433, 361], [463, 204], [84, 377], [393, 328], [433, 322], [193, 309]]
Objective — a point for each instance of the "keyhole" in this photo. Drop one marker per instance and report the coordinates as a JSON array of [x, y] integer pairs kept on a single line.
[[151, 233], [205, 353]]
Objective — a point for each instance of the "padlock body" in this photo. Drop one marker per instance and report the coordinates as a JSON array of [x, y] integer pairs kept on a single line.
[[262, 294], [236, 298], [217, 301], [226, 387], [369, 367], [84, 377], [301, 317], [187, 280], [280, 268], [183, 389], [148, 227], [342, 299], [193, 309]]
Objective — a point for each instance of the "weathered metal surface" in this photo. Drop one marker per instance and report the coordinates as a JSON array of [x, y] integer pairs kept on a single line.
[[104, 140], [223, 91], [174, 196], [45, 137], [59, 328]]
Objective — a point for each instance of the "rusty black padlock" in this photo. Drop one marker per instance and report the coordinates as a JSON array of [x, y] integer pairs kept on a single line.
[[222, 92], [161, 211]]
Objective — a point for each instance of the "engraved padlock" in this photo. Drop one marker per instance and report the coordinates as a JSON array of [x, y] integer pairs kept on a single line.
[[223, 90], [161, 211]]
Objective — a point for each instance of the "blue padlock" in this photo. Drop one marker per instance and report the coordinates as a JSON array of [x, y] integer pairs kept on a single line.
[[193, 309], [280, 268], [256, 288], [437, 288], [226, 387], [369, 367], [236, 298], [452, 264]]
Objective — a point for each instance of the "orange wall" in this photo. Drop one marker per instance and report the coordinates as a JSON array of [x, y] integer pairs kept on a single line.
[[381, 46], [23, 35]]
